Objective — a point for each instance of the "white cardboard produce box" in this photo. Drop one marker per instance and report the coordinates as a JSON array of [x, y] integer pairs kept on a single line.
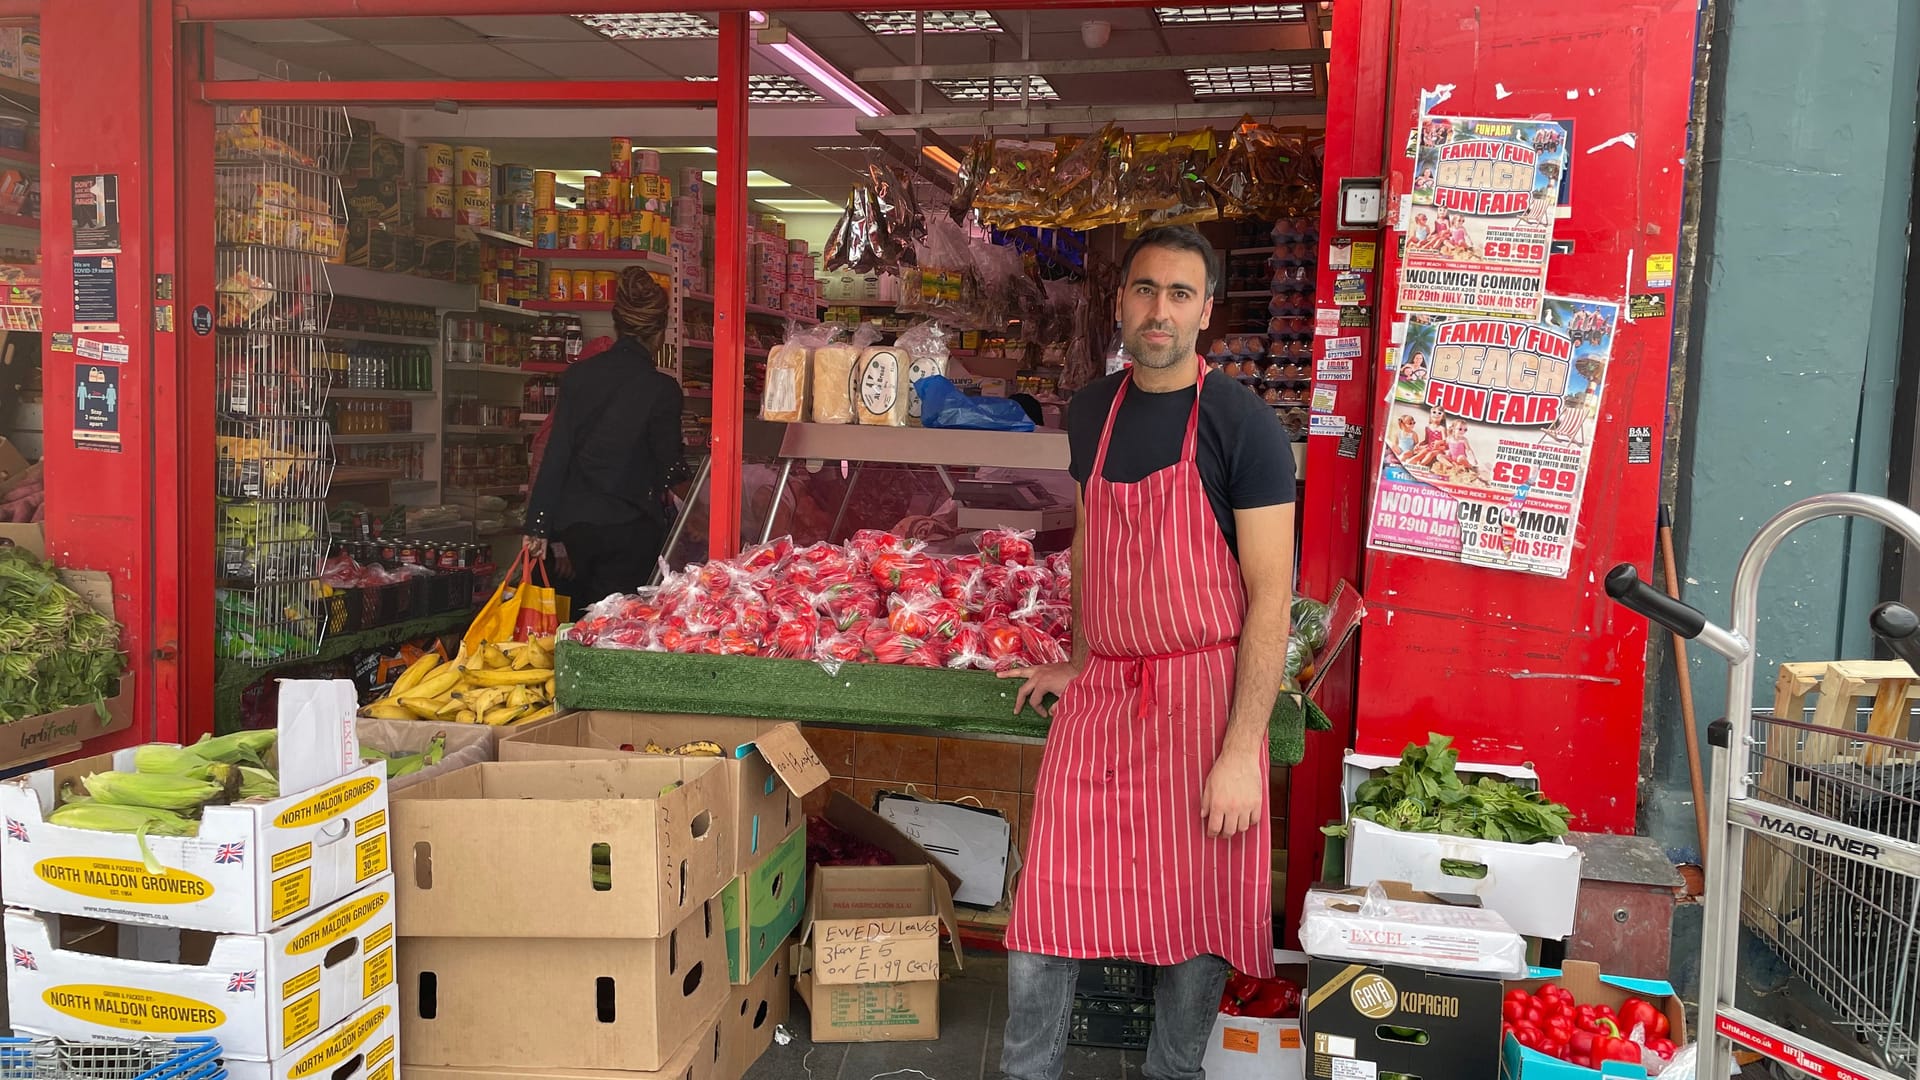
[[1254, 1048], [364, 1046], [259, 994], [1533, 886], [254, 865]]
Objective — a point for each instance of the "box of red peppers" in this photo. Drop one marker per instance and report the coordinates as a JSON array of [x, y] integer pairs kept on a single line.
[[1575, 1023]]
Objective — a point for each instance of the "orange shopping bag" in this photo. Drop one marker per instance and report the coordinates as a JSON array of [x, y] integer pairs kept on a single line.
[[518, 608], [542, 610]]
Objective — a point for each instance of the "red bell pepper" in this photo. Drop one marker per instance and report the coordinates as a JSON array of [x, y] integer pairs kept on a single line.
[[1634, 1012]]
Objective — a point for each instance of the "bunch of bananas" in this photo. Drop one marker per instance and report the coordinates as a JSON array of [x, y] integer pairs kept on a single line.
[[494, 685], [696, 748]]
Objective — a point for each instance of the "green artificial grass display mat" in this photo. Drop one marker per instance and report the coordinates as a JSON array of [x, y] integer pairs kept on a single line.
[[876, 695]]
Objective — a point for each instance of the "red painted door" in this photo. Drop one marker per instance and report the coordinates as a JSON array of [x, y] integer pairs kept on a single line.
[[1522, 667]]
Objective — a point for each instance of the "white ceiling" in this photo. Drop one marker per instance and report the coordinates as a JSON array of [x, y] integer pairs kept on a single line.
[[556, 47]]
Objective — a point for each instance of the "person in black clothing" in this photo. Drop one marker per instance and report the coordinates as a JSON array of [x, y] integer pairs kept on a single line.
[[600, 497]]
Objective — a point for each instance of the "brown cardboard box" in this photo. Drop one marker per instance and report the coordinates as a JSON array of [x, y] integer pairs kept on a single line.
[[13, 464], [770, 769], [701, 1057], [506, 849], [752, 1012], [872, 1012], [870, 952], [49, 735], [559, 1002]]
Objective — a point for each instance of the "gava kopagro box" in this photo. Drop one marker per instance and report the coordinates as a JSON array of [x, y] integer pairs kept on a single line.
[[259, 994], [255, 865]]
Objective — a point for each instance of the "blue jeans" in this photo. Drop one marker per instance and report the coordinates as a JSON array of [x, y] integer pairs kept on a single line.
[[1040, 1003]]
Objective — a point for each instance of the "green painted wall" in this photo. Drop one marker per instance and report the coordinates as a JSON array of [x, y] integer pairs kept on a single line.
[[1809, 170]]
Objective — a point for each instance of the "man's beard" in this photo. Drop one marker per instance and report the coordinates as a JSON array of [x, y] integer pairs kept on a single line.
[[1166, 356]]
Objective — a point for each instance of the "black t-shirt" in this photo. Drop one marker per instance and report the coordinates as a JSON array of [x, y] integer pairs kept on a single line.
[[1243, 450]]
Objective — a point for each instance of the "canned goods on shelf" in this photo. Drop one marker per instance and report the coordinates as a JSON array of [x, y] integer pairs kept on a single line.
[[436, 202], [436, 163], [474, 165], [583, 286], [543, 183], [605, 284], [599, 230], [546, 229], [559, 284], [620, 156], [573, 230]]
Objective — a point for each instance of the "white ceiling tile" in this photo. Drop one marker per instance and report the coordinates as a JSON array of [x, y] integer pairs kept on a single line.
[[269, 31], [596, 59], [468, 61], [400, 29], [528, 28], [351, 61]]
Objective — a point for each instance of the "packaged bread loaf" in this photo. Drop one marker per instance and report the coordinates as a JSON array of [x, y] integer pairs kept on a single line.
[[790, 374], [926, 352], [833, 373], [881, 394]]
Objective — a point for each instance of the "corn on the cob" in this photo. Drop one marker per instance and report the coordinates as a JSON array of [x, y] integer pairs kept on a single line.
[[161, 758], [159, 792], [249, 747], [138, 820], [258, 783]]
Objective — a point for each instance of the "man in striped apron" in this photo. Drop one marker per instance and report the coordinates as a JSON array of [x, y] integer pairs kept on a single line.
[[1150, 837]]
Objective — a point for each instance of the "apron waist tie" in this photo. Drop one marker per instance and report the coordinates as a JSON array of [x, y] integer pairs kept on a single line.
[[1140, 669]]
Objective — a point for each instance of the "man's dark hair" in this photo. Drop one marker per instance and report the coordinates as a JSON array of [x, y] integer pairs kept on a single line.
[[1178, 238]]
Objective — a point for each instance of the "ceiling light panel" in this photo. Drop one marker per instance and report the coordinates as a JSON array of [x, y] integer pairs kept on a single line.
[[1251, 80], [1244, 13], [650, 26], [932, 22], [971, 90], [801, 206], [780, 90], [755, 179]]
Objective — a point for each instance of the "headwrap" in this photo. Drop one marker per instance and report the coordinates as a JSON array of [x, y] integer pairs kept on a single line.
[[640, 307]]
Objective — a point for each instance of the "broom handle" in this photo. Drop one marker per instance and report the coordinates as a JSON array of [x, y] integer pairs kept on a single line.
[[1684, 679]]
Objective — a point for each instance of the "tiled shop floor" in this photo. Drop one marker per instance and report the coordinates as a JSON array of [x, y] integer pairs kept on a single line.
[[973, 1013]]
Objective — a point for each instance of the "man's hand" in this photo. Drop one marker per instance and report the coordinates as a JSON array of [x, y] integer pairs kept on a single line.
[[1231, 801], [562, 565], [1047, 680], [535, 546]]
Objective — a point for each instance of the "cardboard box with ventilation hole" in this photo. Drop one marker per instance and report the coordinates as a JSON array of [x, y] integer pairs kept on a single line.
[[261, 995], [560, 1002], [753, 1012], [869, 957], [615, 849], [769, 765], [704, 1056]]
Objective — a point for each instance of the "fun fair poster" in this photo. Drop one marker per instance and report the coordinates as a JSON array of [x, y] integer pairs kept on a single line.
[[1490, 427], [1481, 226]]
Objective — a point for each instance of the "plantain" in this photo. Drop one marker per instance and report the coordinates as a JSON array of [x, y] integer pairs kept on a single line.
[[548, 688], [438, 681], [540, 713], [653, 747], [388, 709], [528, 677], [465, 716], [492, 658], [423, 708], [415, 672], [698, 748]]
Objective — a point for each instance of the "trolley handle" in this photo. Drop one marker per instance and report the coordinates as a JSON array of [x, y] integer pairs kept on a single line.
[[1897, 625], [1626, 588]]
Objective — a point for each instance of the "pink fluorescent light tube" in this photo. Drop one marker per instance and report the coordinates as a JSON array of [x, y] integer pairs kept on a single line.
[[824, 74]]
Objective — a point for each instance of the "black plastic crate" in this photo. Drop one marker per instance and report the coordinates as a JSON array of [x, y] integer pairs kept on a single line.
[[1110, 1022], [344, 611], [1127, 979], [449, 590]]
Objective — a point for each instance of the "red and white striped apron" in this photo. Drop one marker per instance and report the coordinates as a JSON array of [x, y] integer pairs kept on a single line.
[[1118, 861]]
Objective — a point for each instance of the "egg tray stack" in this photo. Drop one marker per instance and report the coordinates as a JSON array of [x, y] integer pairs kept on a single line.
[[282, 218], [1270, 310]]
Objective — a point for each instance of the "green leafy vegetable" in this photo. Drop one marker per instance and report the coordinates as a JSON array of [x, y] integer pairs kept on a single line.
[[55, 650], [1423, 793]]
